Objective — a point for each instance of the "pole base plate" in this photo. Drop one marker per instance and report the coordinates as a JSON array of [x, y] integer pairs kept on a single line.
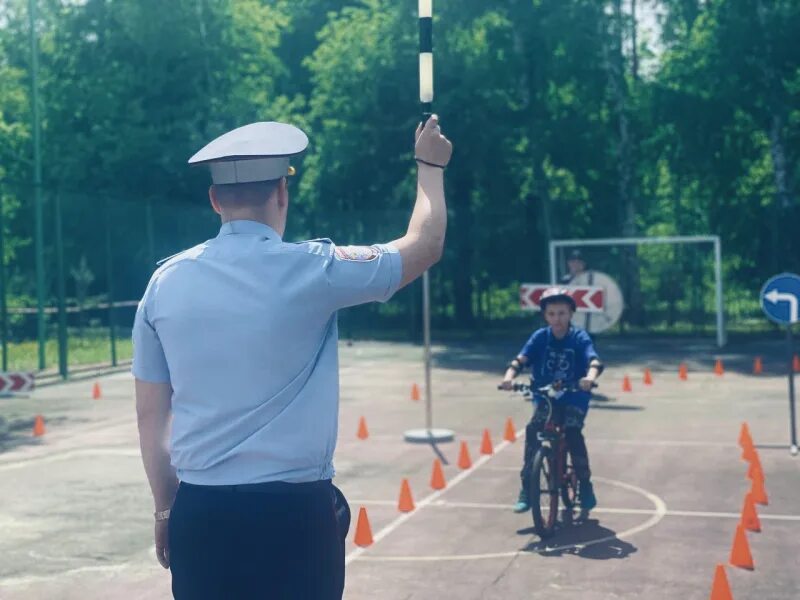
[[428, 436]]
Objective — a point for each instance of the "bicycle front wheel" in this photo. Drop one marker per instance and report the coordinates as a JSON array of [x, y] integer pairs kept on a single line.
[[543, 492]]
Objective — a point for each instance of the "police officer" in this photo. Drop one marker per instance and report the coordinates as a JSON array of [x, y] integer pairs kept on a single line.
[[235, 361], [576, 265], [577, 274]]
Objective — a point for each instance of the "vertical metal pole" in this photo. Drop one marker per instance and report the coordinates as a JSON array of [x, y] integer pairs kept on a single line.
[[110, 285], [720, 306], [426, 99], [413, 313], [426, 319], [3, 306], [792, 416], [63, 341], [428, 435], [552, 262], [37, 185], [426, 57]]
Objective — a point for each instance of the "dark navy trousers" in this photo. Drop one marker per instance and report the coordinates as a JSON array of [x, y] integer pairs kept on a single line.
[[274, 540]]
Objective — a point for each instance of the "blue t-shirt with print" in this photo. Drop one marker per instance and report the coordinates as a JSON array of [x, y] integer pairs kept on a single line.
[[566, 360]]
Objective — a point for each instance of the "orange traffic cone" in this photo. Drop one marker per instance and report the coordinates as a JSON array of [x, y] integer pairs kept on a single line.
[[464, 461], [740, 553], [96, 394], [755, 472], [718, 368], [758, 492], [363, 433], [626, 384], [406, 502], [748, 451], [486, 443], [648, 377], [437, 476], [363, 536], [683, 372], [510, 434], [414, 392], [796, 364], [758, 366], [745, 439], [38, 426], [749, 518], [720, 589]]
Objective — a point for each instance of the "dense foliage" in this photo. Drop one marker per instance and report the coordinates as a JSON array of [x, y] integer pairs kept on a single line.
[[567, 119]]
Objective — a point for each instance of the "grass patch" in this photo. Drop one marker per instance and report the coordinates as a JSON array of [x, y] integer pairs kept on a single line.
[[92, 347]]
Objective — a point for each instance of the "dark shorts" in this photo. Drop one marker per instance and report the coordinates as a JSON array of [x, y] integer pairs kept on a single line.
[[273, 541]]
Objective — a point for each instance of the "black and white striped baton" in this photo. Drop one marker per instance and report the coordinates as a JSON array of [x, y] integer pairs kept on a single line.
[[426, 58]]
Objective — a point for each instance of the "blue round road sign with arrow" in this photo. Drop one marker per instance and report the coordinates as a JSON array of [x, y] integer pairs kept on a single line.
[[780, 298]]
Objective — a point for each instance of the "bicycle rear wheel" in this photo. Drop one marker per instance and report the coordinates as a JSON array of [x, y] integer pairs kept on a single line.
[[543, 491]]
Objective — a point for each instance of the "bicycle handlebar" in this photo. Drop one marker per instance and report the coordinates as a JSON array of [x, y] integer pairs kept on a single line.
[[516, 387], [549, 393], [549, 390]]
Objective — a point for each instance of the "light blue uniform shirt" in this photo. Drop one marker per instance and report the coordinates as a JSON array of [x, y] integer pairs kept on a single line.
[[243, 327]]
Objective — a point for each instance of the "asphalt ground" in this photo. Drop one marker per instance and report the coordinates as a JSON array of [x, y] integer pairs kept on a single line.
[[75, 508]]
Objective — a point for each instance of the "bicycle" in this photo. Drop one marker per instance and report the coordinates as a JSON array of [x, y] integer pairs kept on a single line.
[[552, 474]]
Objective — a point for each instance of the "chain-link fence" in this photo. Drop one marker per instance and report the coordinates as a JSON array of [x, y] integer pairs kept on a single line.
[[98, 252]]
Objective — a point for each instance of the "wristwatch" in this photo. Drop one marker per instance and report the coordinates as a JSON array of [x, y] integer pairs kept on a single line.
[[161, 515]]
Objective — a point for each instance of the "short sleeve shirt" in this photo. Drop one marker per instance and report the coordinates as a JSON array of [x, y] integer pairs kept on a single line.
[[564, 360], [243, 328]]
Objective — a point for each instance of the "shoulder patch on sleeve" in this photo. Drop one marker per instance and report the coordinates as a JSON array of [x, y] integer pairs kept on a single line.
[[357, 253]]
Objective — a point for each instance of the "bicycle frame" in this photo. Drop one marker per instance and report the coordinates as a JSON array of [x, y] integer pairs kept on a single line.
[[554, 438], [550, 465]]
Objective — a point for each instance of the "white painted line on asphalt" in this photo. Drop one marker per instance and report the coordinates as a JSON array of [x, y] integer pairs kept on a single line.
[[26, 580], [660, 510], [515, 469], [724, 515], [677, 443], [650, 442], [428, 499], [681, 443], [78, 453], [373, 502], [599, 509]]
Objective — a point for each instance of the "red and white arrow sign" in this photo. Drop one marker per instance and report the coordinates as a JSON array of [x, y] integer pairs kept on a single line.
[[588, 299], [16, 382]]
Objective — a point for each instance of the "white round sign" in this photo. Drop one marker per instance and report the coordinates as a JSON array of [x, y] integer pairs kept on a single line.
[[613, 303]]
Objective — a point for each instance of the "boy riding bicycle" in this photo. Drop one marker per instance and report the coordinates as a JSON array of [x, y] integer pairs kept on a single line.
[[561, 354]]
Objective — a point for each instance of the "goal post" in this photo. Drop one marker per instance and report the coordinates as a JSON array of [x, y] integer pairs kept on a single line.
[[555, 245]]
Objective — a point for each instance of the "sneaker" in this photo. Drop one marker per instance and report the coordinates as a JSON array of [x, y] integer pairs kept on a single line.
[[522, 504], [586, 496]]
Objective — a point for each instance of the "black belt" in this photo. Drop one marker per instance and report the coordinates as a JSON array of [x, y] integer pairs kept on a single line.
[[267, 487]]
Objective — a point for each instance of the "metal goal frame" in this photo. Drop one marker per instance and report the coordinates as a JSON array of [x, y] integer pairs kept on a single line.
[[676, 239]]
